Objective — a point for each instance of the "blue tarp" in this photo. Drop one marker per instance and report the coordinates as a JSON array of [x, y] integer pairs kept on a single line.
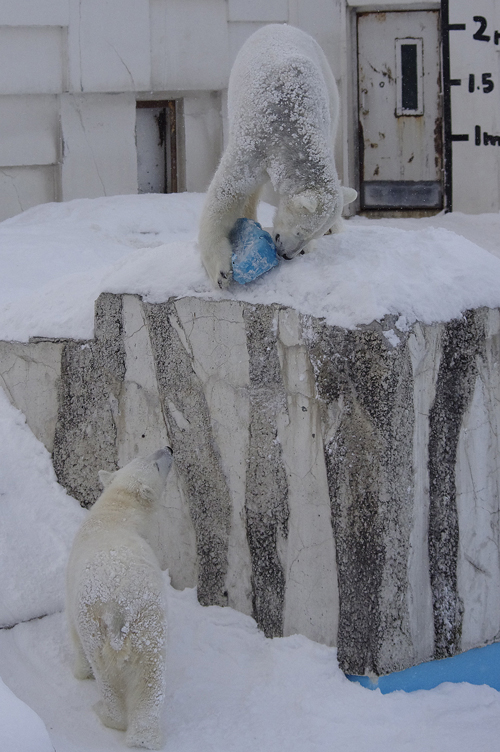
[[254, 252], [476, 666]]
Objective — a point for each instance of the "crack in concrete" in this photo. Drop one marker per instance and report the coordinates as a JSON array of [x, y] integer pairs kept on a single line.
[[80, 43], [134, 333], [477, 567], [94, 160], [13, 181], [123, 63]]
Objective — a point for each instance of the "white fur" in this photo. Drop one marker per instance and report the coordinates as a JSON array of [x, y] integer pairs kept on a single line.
[[283, 111], [115, 603]]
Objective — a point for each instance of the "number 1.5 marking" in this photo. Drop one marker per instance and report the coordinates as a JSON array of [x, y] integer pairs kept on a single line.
[[486, 82]]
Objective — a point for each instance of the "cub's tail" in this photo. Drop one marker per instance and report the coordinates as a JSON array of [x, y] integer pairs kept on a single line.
[[116, 627]]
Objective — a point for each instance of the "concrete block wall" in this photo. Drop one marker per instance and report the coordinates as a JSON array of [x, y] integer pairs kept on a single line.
[[72, 70], [340, 484]]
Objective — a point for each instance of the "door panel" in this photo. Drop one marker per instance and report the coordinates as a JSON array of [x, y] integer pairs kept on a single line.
[[400, 110]]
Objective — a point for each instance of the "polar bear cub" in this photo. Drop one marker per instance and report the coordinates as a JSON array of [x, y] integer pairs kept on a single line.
[[115, 603], [283, 108]]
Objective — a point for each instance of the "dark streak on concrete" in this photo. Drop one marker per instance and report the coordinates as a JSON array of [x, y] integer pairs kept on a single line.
[[454, 388], [368, 462], [92, 375], [196, 454], [266, 484]]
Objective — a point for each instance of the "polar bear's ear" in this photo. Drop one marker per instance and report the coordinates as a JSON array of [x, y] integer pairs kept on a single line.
[[105, 477], [349, 194], [306, 200]]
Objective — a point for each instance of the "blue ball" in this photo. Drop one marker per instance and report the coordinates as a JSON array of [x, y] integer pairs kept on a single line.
[[254, 252]]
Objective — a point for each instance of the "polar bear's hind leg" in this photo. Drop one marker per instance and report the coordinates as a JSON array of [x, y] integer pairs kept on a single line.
[[145, 702], [111, 709], [112, 713], [81, 667]]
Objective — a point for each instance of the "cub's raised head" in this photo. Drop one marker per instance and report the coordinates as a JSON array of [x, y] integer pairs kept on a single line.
[[305, 217], [145, 476]]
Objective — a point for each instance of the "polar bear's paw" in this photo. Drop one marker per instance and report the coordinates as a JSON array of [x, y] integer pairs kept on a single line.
[[149, 736], [82, 670], [116, 720], [224, 278], [220, 273], [216, 258]]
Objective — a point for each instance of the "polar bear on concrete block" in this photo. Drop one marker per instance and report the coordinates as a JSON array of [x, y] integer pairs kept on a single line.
[[283, 109], [115, 602]]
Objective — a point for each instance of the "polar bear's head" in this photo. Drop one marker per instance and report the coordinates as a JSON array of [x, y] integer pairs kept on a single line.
[[306, 216], [144, 476]]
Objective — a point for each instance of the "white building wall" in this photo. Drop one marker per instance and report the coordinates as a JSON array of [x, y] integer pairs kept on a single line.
[[57, 56], [71, 71], [29, 129], [109, 47], [258, 10], [203, 138], [70, 74], [189, 45], [24, 187], [98, 147], [476, 164], [34, 13], [31, 59]]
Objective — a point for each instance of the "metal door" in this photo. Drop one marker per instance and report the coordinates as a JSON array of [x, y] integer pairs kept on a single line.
[[400, 119]]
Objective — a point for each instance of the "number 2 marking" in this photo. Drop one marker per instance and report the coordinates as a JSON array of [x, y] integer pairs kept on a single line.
[[479, 35]]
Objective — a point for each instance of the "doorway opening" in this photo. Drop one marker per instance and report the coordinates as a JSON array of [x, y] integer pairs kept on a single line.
[[156, 140]]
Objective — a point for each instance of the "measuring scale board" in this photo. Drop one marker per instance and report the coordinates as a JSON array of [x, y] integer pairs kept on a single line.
[[471, 68]]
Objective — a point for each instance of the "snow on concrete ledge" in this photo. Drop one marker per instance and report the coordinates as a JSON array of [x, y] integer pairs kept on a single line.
[[57, 258]]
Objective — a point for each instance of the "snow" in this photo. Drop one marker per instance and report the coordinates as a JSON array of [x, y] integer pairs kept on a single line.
[[229, 689], [21, 730], [37, 523], [57, 258]]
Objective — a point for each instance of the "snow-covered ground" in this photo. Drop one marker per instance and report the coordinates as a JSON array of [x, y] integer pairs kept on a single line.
[[229, 688]]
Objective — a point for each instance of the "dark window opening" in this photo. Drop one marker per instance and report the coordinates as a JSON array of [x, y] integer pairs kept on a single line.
[[409, 77]]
